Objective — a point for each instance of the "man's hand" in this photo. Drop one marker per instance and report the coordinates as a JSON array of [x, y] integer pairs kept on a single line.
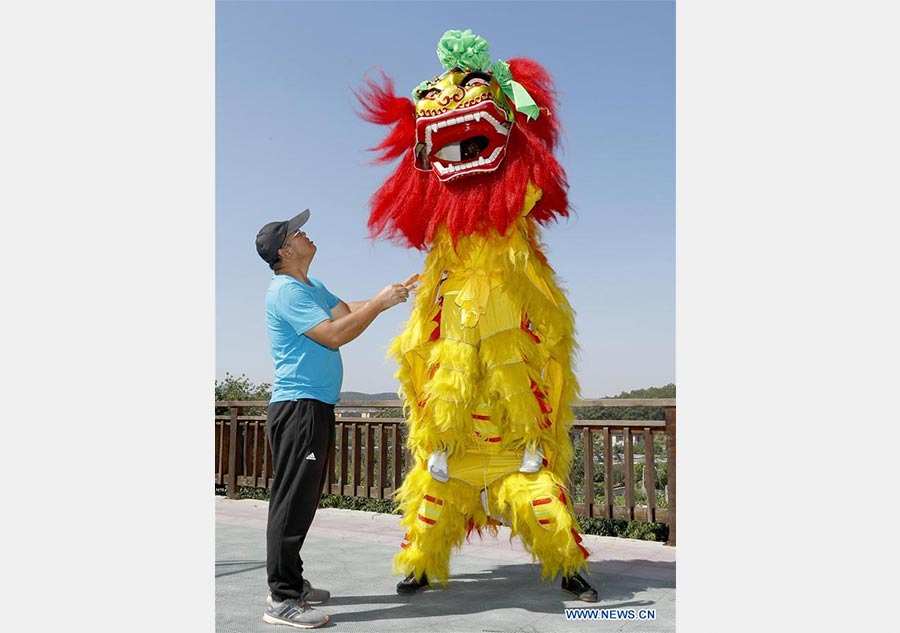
[[395, 293], [356, 317], [411, 281]]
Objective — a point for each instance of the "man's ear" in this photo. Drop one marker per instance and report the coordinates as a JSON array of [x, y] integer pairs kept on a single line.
[[282, 251]]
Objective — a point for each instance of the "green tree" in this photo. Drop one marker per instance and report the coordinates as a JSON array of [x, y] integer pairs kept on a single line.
[[241, 388]]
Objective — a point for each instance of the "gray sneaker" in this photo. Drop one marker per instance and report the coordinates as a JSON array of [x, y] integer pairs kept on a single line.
[[313, 595], [310, 595], [296, 614]]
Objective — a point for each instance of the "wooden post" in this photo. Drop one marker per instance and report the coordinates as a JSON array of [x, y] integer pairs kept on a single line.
[[244, 457], [629, 474], [370, 460], [588, 453], [670, 450], [231, 479], [220, 452], [342, 460], [397, 455], [650, 474], [608, 500], [382, 459], [354, 459]]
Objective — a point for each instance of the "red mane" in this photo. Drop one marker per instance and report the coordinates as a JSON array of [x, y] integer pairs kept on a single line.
[[412, 204]]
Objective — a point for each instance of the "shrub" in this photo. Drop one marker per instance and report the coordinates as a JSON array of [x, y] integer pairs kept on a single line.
[[385, 506], [624, 529]]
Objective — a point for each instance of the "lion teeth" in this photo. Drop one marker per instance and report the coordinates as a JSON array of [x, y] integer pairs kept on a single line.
[[449, 152]]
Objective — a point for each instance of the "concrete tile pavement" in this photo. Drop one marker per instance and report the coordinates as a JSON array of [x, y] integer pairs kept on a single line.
[[494, 587]]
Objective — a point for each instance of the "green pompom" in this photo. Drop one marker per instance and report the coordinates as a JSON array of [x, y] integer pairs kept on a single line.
[[463, 49]]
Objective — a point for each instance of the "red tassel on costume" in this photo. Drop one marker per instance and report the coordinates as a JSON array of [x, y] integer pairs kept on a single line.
[[526, 325], [436, 332], [541, 398], [577, 537], [470, 527]]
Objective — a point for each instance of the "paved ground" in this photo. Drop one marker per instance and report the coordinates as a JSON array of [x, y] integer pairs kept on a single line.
[[494, 588]]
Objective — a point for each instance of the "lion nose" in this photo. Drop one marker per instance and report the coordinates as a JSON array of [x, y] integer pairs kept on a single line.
[[451, 93]]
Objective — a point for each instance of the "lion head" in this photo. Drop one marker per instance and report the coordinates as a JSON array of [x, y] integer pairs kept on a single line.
[[469, 142], [463, 123]]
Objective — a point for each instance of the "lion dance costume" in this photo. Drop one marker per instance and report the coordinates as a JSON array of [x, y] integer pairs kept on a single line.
[[486, 358]]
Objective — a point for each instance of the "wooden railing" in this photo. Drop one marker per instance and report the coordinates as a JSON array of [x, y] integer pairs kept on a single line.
[[370, 457]]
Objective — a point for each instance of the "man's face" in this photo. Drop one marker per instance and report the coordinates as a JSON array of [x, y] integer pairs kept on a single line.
[[299, 245]]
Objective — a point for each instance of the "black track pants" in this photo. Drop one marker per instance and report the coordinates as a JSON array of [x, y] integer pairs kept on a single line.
[[301, 434]]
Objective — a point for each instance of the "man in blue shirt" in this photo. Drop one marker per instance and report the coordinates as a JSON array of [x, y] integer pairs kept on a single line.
[[307, 324]]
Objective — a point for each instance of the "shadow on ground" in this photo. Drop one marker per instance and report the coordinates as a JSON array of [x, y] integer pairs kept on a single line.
[[509, 586]]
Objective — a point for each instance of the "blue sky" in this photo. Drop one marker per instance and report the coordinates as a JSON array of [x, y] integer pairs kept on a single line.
[[287, 138]]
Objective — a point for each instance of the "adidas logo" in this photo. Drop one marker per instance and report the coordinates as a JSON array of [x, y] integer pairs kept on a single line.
[[311, 456]]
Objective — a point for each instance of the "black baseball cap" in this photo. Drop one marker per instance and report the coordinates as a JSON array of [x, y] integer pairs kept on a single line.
[[272, 236]]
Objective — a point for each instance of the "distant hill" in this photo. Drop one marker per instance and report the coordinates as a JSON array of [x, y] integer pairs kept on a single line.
[[355, 396], [666, 391]]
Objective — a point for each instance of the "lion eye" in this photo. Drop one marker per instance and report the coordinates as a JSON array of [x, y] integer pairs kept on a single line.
[[431, 93], [476, 79]]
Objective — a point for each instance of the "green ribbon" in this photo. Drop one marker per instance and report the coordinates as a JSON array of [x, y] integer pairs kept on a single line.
[[514, 91]]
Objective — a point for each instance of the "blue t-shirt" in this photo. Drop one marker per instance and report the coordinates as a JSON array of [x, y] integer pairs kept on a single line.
[[303, 368]]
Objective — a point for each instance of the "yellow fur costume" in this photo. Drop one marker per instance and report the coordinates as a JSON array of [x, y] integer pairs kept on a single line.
[[486, 373]]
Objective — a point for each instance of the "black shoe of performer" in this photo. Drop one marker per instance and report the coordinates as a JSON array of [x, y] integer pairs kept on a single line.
[[577, 585], [409, 585]]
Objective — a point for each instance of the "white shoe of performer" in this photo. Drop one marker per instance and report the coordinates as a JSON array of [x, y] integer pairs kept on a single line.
[[532, 461], [437, 466]]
